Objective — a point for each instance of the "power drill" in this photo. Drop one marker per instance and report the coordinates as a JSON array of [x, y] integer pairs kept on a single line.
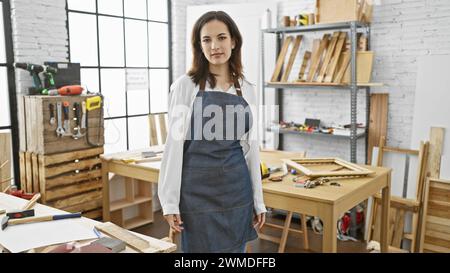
[[34, 70]]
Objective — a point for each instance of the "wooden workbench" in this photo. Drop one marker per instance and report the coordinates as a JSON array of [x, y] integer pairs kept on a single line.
[[328, 202], [155, 244], [143, 172]]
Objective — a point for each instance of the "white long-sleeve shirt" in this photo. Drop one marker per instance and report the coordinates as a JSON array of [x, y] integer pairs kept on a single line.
[[181, 98]]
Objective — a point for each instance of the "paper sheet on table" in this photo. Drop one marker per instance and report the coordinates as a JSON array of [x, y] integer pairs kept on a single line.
[[28, 236]]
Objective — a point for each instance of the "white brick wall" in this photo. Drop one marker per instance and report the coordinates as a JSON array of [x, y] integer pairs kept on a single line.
[[402, 30], [39, 35]]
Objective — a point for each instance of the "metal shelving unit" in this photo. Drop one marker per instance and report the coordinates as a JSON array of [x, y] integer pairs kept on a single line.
[[353, 28]]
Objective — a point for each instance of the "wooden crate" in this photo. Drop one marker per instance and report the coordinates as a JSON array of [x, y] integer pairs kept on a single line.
[[69, 181], [39, 136], [334, 11]]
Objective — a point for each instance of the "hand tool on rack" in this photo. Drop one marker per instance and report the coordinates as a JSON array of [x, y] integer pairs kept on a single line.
[[34, 70], [83, 118], [60, 129], [66, 119], [78, 118], [51, 107], [7, 222]]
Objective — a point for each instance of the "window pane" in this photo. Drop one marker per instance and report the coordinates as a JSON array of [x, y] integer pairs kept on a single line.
[[136, 9], [2, 37], [115, 136], [137, 91], [111, 41], [136, 43], [83, 39], [89, 78], [158, 45], [157, 10], [82, 5], [113, 90], [159, 90], [4, 98], [138, 133], [111, 7]]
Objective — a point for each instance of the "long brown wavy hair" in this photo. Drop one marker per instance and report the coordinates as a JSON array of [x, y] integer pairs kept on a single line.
[[200, 65]]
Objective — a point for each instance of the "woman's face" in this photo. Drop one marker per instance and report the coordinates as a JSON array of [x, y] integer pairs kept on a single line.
[[216, 42]]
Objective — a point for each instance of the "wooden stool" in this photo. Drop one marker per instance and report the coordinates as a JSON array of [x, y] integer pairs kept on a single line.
[[286, 228]]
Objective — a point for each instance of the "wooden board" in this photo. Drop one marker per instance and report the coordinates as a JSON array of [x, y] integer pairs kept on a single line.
[[305, 62], [294, 51], [317, 55], [281, 57], [435, 239], [130, 239], [334, 61], [328, 56], [349, 169], [377, 121], [364, 66], [5, 158]]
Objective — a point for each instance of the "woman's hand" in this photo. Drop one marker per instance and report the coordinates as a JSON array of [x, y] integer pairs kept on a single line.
[[174, 221], [259, 221]]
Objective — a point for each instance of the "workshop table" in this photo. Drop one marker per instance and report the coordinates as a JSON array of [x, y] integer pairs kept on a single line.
[[330, 202]]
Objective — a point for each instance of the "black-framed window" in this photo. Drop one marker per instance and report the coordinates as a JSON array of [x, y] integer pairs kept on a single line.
[[8, 104], [123, 49]]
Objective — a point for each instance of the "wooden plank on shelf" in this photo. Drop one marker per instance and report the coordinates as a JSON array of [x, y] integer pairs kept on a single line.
[[342, 67], [435, 152], [333, 11], [305, 62], [281, 57], [377, 121], [287, 70], [317, 55], [328, 56], [337, 53]]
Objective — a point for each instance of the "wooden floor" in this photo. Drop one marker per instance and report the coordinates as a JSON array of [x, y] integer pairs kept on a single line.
[[159, 229]]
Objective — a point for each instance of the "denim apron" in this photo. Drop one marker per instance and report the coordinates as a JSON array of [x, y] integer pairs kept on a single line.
[[216, 199]]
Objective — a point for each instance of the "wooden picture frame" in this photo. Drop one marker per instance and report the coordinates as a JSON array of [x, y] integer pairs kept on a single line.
[[344, 168]]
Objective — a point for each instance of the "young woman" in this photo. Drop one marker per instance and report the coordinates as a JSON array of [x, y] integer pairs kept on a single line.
[[210, 182]]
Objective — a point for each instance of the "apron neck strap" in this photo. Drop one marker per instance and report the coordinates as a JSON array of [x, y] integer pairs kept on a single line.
[[237, 86]]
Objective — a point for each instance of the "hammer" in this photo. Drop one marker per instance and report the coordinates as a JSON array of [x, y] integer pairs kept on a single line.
[[6, 222]]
